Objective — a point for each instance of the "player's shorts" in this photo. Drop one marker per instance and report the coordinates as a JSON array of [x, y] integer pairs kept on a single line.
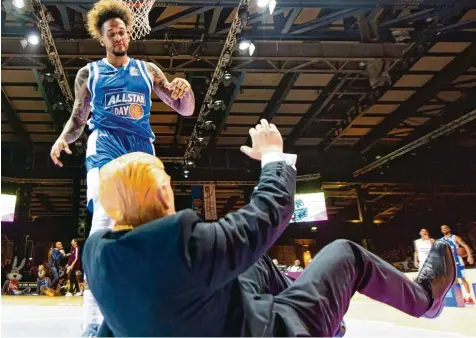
[[105, 145], [460, 271]]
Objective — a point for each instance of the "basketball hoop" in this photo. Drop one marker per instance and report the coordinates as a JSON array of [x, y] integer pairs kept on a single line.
[[140, 9]]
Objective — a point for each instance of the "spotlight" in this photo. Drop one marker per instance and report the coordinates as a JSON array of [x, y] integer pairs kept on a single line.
[[209, 125], [200, 139], [313, 228], [244, 45], [185, 175], [270, 3], [218, 105], [186, 171], [18, 4], [190, 162], [263, 3], [32, 39], [251, 49], [247, 45], [227, 76]]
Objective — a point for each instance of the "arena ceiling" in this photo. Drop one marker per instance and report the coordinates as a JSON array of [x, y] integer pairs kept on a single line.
[[346, 82]]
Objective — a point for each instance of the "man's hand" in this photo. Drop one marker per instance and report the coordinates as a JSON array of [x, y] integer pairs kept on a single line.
[[265, 138], [470, 260], [62, 251], [56, 150], [68, 269], [179, 87], [415, 263]]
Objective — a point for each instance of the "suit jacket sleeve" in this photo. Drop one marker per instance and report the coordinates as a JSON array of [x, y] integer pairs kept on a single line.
[[222, 250]]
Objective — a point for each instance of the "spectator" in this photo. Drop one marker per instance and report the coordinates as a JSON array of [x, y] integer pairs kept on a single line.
[[73, 268], [55, 257], [296, 267]]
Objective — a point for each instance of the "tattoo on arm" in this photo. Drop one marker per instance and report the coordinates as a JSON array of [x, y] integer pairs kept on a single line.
[[81, 108], [184, 106]]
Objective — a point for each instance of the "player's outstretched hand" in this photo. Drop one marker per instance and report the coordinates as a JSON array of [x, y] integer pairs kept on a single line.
[[179, 87], [265, 138], [56, 150]]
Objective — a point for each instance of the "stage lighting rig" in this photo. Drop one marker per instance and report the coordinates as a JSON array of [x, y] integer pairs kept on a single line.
[[239, 23]]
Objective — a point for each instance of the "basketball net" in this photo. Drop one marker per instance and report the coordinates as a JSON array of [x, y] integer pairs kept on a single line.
[[140, 9]]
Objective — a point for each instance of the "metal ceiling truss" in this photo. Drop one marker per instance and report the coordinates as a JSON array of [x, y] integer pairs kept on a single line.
[[287, 3], [194, 145], [444, 130], [441, 79], [424, 42], [15, 122]]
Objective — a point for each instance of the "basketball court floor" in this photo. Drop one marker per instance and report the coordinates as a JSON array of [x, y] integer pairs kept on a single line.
[[38, 316]]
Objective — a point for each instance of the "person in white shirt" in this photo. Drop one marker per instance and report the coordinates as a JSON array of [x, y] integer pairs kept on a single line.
[[422, 248], [296, 267]]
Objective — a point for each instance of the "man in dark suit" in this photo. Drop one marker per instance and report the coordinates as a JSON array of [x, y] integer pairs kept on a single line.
[[162, 273]]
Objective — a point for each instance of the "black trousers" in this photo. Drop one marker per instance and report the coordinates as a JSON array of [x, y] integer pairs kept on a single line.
[[314, 305], [73, 281]]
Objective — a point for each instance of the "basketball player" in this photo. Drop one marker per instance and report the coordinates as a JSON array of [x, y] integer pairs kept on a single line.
[[422, 248], [455, 242], [117, 91]]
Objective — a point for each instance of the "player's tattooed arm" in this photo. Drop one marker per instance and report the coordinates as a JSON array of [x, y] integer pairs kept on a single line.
[[177, 94], [81, 108]]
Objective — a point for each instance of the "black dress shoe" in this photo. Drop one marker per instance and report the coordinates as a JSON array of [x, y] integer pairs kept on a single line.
[[437, 276]]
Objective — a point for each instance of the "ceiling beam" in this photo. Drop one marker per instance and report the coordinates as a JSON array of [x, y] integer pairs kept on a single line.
[[230, 203], [173, 19], [441, 79], [265, 50], [292, 16], [326, 20], [316, 108], [45, 201], [424, 140], [256, 18], [284, 3], [15, 122], [64, 17], [214, 22], [285, 85]]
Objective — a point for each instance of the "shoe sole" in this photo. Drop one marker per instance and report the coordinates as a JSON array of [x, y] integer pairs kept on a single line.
[[442, 305]]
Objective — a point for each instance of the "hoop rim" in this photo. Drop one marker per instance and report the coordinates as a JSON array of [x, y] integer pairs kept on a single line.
[[137, 3]]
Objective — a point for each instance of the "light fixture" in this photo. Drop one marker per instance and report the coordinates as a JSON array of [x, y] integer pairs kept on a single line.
[[271, 4], [190, 162], [18, 4], [313, 228], [200, 139], [263, 3], [227, 76], [186, 171], [244, 45], [32, 39], [252, 48], [185, 175]]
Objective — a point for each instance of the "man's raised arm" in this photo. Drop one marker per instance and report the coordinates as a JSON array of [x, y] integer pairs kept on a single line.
[[177, 94], [79, 116], [222, 250]]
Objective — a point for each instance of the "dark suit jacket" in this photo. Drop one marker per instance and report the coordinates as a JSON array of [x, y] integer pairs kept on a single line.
[[177, 276]]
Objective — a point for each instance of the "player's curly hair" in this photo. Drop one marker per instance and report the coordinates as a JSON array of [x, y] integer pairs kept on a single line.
[[105, 10]]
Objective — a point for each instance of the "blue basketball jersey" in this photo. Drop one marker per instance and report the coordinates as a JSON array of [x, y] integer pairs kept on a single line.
[[454, 246], [121, 97]]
